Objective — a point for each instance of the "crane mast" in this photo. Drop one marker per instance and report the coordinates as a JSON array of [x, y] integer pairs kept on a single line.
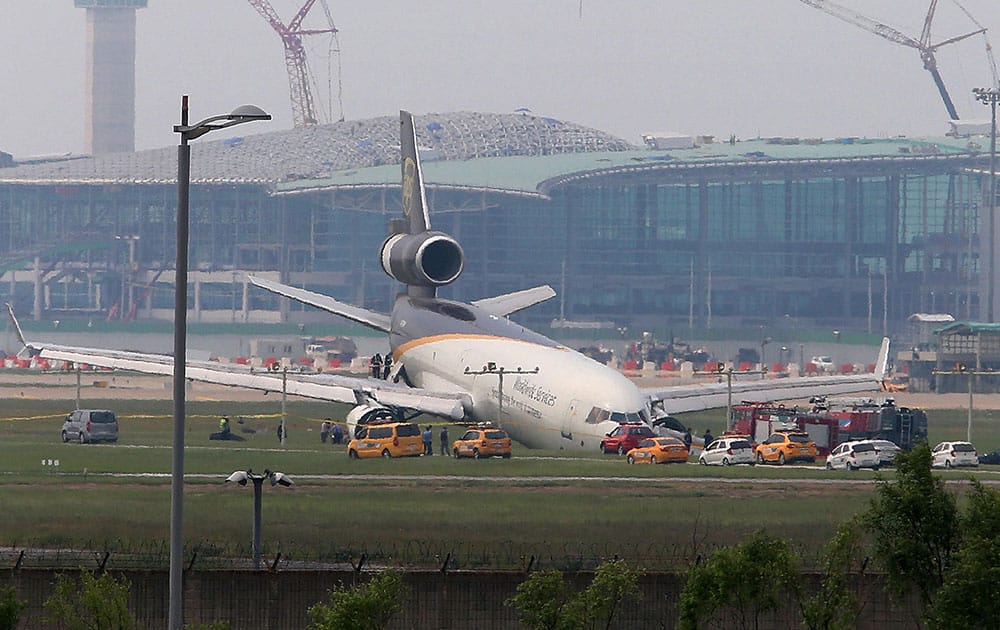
[[303, 107], [923, 45]]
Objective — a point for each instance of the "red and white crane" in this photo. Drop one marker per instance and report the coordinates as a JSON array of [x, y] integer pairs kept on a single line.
[[924, 45], [299, 76]]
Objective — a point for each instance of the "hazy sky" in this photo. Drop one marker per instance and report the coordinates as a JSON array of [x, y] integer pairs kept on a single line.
[[749, 67]]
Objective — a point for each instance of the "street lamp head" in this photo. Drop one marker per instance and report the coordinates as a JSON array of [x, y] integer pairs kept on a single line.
[[278, 478], [240, 477], [242, 114], [246, 113]]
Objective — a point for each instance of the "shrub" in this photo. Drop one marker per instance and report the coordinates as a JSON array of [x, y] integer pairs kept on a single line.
[[91, 602], [368, 606]]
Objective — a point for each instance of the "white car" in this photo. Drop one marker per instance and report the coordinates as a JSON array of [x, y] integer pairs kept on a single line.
[[886, 452], [952, 454], [823, 363], [853, 455], [727, 451]]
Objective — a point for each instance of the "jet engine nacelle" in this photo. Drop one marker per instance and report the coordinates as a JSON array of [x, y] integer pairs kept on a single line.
[[428, 259], [361, 415]]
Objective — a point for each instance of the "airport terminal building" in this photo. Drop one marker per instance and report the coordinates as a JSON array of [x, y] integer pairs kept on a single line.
[[682, 231]]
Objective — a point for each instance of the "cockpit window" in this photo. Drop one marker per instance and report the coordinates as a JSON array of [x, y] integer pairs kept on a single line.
[[598, 415]]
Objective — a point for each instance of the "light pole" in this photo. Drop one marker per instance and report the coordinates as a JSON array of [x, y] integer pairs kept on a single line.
[[129, 276], [990, 96], [763, 361], [242, 477], [492, 368], [242, 114]]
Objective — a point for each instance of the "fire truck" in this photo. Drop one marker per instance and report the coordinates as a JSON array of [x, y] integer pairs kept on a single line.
[[832, 421], [872, 419], [759, 420]]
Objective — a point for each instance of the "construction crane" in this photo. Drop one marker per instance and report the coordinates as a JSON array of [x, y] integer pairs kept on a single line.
[[924, 45], [299, 76]]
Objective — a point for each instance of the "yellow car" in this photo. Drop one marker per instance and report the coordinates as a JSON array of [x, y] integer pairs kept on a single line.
[[483, 441], [661, 450], [389, 439], [787, 446]]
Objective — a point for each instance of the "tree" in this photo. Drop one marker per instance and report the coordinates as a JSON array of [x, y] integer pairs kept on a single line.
[[747, 580], [835, 605], [92, 602], [545, 602], [10, 608], [368, 606], [542, 601], [967, 599], [914, 524]]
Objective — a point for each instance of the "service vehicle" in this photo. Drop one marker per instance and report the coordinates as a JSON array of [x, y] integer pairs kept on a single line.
[[954, 454], [990, 458], [90, 425], [625, 437], [658, 450], [823, 363], [483, 441], [387, 439], [727, 451], [853, 455], [786, 446], [887, 452]]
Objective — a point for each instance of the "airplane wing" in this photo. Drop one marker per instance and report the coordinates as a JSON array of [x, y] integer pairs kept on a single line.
[[372, 319], [503, 305], [330, 387], [696, 397]]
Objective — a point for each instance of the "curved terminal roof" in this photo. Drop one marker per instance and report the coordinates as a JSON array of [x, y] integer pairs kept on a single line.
[[518, 153], [318, 151]]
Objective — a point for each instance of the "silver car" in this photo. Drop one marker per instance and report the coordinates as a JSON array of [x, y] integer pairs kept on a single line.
[[90, 425], [952, 454], [853, 455], [727, 451]]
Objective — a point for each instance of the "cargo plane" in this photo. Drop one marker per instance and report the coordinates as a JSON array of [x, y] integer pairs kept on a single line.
[[468, 362]]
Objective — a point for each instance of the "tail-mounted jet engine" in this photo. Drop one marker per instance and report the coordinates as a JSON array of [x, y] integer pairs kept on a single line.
[[427, 259], [365, 414]]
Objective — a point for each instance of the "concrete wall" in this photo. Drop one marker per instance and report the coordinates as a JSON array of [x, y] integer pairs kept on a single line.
[[270, 601]]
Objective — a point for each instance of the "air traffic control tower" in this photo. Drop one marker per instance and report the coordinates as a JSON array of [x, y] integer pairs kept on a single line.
[[110, 100]]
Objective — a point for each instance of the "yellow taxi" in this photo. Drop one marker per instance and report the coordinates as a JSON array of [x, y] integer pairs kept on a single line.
[[386, 439], [483, 440], [660, 450], [787, 446]]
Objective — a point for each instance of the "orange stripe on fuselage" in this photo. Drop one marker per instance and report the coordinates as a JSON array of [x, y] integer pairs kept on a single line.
[[409, 345]]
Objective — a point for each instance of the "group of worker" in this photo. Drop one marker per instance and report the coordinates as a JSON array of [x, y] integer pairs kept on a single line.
[[380, 367], [331, 430]]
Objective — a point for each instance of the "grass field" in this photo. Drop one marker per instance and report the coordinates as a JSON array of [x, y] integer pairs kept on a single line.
[[560, 509]]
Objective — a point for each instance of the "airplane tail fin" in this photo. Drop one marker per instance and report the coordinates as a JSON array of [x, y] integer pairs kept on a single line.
[[16, 325], [882, 363], [414, 198]]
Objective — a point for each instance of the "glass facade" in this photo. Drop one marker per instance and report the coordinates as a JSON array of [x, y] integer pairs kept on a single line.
[[713, 248]]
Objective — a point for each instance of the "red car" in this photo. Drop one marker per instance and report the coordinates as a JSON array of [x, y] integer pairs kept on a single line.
[[626, 437]]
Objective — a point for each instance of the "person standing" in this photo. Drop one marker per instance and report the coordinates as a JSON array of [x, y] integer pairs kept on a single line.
[[687, 438], [707, 438], [224, 426], [428, 441], [376, 365], [324, 430], [445, 447], [387, 367], [338, 434]]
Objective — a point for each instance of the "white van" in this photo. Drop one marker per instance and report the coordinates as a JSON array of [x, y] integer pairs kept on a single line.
[[90, 425]]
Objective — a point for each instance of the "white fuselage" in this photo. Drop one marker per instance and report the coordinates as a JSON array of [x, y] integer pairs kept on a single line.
[[559, 407]]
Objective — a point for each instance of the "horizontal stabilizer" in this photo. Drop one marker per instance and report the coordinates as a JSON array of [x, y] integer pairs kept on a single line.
[[372, 319], [508, 303]]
